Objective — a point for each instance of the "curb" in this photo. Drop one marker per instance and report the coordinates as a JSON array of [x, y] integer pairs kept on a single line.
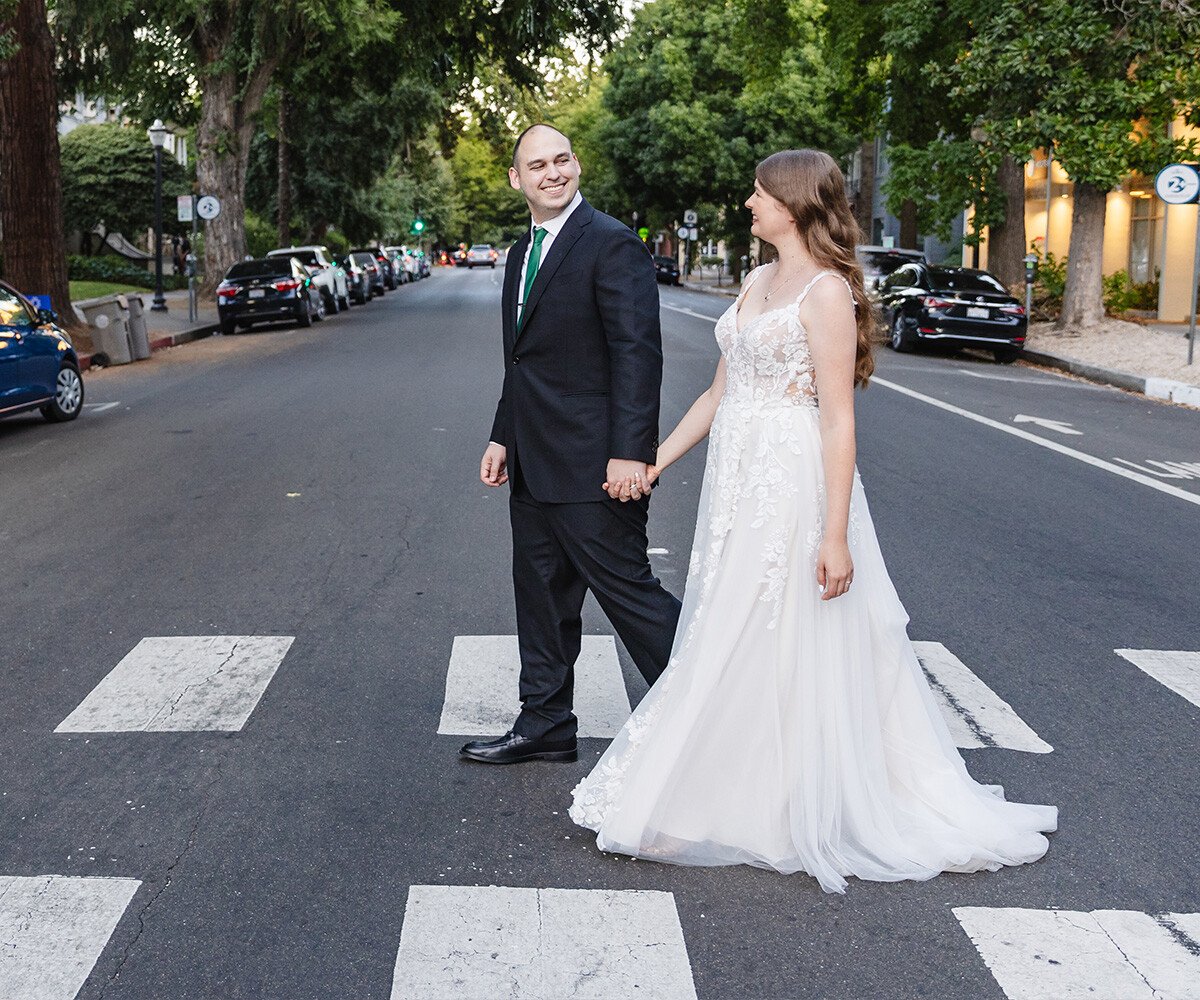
[[1156, 388], [163, 342]]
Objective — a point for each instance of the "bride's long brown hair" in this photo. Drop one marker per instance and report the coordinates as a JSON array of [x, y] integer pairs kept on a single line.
[[812, 189]]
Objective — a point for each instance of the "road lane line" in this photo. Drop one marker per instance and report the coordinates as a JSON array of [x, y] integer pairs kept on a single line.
[[53, 928], [540, 944], [482, 684], [1062, 449], [1073, 955], [182, 684], [689, 312], [975, 714], [1177, 669]]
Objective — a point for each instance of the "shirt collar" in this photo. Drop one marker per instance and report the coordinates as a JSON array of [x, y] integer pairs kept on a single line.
[[554, 226]]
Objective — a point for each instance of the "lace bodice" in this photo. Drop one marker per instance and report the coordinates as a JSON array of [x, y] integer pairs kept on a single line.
[[767, 358]]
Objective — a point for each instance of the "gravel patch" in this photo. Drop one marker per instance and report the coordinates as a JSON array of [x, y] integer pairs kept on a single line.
[[1127, 347]]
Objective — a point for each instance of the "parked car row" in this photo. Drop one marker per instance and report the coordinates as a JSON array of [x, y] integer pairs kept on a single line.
[[306, 284], [39, 368]]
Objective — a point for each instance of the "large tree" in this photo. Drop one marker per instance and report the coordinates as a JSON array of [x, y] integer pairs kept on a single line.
[[31, 218], [1099, 84]]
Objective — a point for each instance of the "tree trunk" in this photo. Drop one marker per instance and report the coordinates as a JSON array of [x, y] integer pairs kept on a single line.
[[908, 225], [1083, 298], [221, 171], [31, 213], [283, 197], [864, 203], [1006, 241]]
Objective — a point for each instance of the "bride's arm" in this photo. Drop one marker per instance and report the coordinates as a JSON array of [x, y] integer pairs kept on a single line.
[[828, 315], [694, 426]]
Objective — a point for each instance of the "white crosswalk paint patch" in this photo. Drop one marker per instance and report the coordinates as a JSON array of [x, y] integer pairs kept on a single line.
[[481, 687], [975, 714], [53, 929], [1178, 669], [182, 684], [495, 943], [1102, 955]]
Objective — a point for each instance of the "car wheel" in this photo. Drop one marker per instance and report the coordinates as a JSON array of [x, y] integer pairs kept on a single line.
[[68, 395], [228, 327], [320, 313], [344, 301], [332, 306], [304, 316], [902, 339], [1006, 355]]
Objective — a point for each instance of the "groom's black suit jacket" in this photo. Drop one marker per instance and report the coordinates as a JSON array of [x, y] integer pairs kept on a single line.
[[583, 372]]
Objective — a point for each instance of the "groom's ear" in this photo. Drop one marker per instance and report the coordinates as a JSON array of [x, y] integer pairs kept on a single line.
[[514, 178]]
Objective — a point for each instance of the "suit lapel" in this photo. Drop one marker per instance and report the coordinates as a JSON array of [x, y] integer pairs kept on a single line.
[[559, 249], [512, 277]]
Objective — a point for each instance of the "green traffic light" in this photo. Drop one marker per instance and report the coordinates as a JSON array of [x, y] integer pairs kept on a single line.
[[418, 225]]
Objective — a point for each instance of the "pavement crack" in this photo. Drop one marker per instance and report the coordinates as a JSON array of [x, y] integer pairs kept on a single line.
[[170, 710], [1128, 960]]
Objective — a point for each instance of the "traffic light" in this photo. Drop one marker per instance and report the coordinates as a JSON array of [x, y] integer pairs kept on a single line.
[[418, 226]]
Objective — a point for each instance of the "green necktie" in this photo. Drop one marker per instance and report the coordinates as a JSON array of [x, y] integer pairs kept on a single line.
[[535, 258]]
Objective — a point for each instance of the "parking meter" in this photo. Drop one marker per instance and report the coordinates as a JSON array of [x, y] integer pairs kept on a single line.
[[189, 265], [1030, 275]]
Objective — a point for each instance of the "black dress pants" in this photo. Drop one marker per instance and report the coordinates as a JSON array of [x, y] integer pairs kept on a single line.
[[560, 551]]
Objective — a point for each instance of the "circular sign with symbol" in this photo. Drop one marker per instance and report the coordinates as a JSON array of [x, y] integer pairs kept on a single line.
[[208, 207], [690, 218], [682, 232], [1177, 184]]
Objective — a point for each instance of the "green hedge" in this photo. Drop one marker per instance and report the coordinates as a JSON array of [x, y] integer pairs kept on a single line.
[[112, 268]]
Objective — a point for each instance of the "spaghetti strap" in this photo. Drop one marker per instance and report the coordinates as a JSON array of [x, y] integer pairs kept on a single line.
[[817, 277]]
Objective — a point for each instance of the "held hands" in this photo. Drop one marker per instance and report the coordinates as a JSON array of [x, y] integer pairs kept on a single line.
[[629, 480], [493, 469], [835, 568]]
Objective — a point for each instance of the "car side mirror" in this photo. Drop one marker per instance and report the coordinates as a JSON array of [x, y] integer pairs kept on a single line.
[[47, 316]]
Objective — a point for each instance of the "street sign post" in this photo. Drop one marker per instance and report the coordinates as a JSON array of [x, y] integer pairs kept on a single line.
[[690, 218], [183, 207], [1179, 184], [208, 207]]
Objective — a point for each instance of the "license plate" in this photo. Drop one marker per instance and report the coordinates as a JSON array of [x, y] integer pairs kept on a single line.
[[261, 293], [978, 312]]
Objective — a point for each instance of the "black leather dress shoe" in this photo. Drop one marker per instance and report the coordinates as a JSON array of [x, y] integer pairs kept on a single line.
[[512, 749]]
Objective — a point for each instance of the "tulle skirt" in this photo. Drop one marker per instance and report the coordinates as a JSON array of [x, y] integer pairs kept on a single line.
[[789, 732]]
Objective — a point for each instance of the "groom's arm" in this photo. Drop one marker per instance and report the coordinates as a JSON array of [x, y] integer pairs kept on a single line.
[[627, 296], [499, 433]]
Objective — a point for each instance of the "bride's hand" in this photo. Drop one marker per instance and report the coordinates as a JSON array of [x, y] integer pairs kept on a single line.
[[835, 568]]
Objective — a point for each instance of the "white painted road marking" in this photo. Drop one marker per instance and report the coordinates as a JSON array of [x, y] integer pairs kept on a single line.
[[976, 715], [1102, 955], [1165, 470], [1051, 425], [496, 943], [1062, 449], [1178, 669], [689, 312], [482, 685], [99, 407], [53, 929], [180, 684]]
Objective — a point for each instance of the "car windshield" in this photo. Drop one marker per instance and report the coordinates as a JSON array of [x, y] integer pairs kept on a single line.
[[956, 280], [664, 260], [484, 247], [881, 262], [363, 257], [306, 257], [270, 268]]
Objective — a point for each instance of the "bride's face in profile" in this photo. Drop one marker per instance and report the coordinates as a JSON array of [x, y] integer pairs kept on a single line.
[[769, 217]]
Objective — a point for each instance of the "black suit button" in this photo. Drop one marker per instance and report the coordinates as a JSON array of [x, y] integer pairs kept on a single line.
[[516, 359]]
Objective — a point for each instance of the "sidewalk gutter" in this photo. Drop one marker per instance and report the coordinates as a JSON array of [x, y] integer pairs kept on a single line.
[[1156, 388], [165, 340]]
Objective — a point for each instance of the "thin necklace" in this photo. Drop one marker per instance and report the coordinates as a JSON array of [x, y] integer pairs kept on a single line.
[[768, 292]]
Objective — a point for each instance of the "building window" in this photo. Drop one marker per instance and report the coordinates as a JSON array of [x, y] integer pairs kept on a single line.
[[1145, 233]]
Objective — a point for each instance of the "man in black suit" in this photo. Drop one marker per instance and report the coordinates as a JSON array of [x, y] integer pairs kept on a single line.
[[575, 429]]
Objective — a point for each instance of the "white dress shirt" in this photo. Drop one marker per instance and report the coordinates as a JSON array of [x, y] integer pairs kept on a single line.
[[553, 227]]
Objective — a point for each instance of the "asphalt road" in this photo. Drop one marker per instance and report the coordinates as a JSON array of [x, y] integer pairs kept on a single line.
[[323, 484]]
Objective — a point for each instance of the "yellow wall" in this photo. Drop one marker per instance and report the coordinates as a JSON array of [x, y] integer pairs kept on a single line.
[[1175, 292], [1118, 214]]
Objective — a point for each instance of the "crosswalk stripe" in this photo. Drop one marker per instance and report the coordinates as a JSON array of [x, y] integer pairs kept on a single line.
[[1072, 955], [481, 687], [499, 943], [976, 715], [1178, 669], [53, 929], [181, 684]]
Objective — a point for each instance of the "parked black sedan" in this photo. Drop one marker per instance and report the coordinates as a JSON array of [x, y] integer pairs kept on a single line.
[[271, 289], [375, 270], [388, 277], [955, 306], [666, 270], [358, 278]]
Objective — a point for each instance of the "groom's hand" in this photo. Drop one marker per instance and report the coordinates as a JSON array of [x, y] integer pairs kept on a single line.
[[626, 480], [493, 470]]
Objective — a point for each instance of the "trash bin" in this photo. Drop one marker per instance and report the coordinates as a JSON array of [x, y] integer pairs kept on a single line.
[[106, 318], [138, 334]]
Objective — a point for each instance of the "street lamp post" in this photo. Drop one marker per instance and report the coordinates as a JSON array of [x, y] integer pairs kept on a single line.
[[158, 136]]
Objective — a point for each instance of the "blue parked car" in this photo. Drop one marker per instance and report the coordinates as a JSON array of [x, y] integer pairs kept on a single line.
[[39, 368]]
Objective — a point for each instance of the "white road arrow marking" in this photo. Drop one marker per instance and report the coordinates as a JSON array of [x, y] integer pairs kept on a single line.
[[1054, 425], [99, 407]]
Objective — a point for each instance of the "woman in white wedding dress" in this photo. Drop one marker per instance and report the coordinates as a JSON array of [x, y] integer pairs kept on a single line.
[[793, 728]]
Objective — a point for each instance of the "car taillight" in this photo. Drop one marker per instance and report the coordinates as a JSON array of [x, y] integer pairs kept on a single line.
[[286, 285], [930, 302], [226, 291], [1013, 310]]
